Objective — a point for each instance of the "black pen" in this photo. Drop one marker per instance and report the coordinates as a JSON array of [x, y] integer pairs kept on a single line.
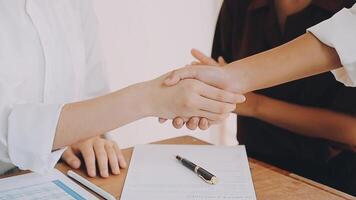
[[202, 173]]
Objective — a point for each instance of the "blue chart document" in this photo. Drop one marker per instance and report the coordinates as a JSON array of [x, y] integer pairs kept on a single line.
[[53, 185]]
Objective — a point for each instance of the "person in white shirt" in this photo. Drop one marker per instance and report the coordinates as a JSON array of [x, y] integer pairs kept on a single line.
[[328, 46], [54, 91]]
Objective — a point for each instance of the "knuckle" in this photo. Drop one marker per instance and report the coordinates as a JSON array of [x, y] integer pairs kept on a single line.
[[109, 145], [90, 161], [115, 145], [86, 153], [220, 96], [190, 85], [118, 150], [224, 108], [174, 73], [102, 155], [98, 143], [85, 147]]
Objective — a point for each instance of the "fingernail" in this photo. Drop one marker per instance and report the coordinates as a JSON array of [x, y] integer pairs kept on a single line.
[[76, 164], [92, 173], [241, 99], [123, 165], [180, 122], [105, 173], [116, 171]]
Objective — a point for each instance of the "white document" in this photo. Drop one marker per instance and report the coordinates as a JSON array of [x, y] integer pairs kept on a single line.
[[53, 185], [155, 173]]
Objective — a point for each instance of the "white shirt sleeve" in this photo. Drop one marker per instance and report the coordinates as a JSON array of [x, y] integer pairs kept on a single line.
[[339, 32], [33, 124], [28, 121]]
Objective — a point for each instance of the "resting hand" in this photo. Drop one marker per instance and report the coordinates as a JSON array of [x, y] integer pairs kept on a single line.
[[96, 151]]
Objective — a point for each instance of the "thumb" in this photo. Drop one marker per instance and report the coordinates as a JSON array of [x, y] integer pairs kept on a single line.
[[71, 158], [222, 61], [180, 74], [202, 58], [172, 79], [162, 120]]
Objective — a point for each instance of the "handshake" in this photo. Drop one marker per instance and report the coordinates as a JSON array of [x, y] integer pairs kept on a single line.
[[198, 95]]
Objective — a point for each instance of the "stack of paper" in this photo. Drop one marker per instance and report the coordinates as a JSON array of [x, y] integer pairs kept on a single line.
[[155, 174]]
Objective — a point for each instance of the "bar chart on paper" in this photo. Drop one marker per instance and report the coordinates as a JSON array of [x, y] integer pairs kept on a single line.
[[47, 190], [54, 185]]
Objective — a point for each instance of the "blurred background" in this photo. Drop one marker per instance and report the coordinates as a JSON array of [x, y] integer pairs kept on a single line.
[[142, 40]]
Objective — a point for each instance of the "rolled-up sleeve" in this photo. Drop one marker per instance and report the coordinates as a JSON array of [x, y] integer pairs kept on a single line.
[[31, 131], [339, 32]]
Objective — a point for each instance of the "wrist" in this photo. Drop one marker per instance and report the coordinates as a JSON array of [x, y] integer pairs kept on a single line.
[[258, 109], [147, 98], [147, 101], [235, 78], [137, 98]]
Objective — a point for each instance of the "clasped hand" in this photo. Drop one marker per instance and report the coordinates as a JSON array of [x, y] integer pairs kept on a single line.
[[210, 72]]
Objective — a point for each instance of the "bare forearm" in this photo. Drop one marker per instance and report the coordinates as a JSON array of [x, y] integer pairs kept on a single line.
[[188, 98], [302, 57], [312, 122], [89, 118]]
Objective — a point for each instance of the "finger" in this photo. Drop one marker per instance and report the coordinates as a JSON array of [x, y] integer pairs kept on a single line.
[[102, 158], [206, 60], [195, 63], [89, 159], [193, 123], [113, 160], [221, 95], [221, 61], [162, 120], [183, 73], [178, 123], [71, 158], [204, 124], [120, 156], [212, 117], [222, 120], [215, 106]]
